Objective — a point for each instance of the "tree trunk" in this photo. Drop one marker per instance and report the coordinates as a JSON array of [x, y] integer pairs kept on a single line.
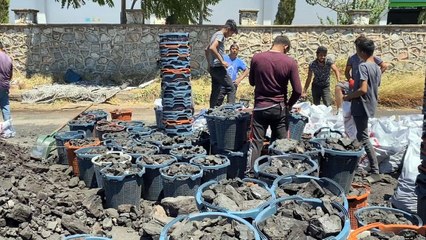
[[123, 19]]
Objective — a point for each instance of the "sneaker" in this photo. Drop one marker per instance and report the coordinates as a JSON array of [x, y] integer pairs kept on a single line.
[[8, 134], [375, 177]]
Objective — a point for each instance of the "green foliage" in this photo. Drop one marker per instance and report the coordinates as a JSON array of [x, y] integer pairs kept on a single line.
[[4, 11], [285, 13], [79, 3], [179, 11], [342, 7], [422, 17]]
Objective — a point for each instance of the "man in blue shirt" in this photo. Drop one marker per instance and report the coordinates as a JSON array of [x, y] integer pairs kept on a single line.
[[235, 65], [6, 73]]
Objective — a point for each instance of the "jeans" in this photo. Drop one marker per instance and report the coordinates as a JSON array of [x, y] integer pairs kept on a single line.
[[4, 104], [321, 92], [222, 95], [221, 79], [361, 123], [276, 118]]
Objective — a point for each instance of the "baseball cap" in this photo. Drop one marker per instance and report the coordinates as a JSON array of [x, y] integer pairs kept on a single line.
[[232, 25]]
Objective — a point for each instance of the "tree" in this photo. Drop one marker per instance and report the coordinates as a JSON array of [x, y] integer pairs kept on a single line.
[[79, 3], [178, 11], [342, 7], [285, 13], [4, 11]]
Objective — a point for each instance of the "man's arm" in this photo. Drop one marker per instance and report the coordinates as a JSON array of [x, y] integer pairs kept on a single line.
[[362, 90], [296, 86], [213, 49], [242, 76], [348, 69], [252, 68], [207, 53], [307, 83], [336, 71], [383, 66]]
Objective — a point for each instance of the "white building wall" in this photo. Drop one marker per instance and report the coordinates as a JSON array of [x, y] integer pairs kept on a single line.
[[52, 13]]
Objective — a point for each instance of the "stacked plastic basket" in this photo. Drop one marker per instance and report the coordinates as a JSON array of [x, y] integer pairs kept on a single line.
[[177, 111]]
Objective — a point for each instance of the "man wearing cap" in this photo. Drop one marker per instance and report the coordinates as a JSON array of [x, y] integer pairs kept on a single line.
[[6, 72], [270, 74], [217, 65]]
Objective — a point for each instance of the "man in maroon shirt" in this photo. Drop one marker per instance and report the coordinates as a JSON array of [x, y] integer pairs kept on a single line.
[[270, 73]]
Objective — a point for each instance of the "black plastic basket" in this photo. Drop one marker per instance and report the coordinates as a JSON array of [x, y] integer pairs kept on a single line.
[[126, 189], [152, 181], [180, 185], [217, 173], [238, 161], [232, 133], [85, 165], [296, 125]]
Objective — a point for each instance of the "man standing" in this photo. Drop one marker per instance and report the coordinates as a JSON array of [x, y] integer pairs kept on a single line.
[[270, 73], [215, 53], [364, 100], [320, 68], [235, 64], [6, 72]]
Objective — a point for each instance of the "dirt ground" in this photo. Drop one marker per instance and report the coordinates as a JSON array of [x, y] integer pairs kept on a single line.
[[33, 120]]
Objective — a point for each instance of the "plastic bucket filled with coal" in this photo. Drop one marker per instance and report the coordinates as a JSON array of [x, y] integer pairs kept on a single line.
[[324, 189], [128, 124], [298, 218], [115, 135], [357, 199], [166, 143], [340, 160], [117, 144], [139, 149], [386, 215], [85, 165], [285, 146], [244, 198], [108, 128], [213, 225], [74, 144], [61, 138], [139, 130], [98, 113], [84, 123], [122, 184], [380, 231], [107, 159], [152, 181], [181, 179], [84, 237], [215, 167], [238, 160], [185, 153], [231, 129], [268, 168]]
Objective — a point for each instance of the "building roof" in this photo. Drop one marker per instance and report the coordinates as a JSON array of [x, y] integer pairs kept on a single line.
[[407, 3]]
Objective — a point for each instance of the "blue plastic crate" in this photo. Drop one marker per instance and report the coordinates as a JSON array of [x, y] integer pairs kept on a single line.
[[177, 115], [176, 86], [175, 54], [182, 130], [174, 37], [176, 94], [177, 105], [175, 64], [175, 58], [175, 77], [175, 45], [177, 51]]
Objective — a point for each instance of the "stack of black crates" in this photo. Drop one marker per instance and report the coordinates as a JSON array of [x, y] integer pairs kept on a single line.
[[177, 112]]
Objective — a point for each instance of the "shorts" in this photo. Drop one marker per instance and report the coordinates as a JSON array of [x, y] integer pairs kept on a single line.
[[344, 86]]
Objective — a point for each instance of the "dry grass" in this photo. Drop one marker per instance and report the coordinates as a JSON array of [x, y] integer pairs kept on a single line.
[[397, 90], [25, 83]]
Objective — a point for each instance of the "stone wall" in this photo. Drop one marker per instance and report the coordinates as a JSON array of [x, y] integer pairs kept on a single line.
[[116, 52]]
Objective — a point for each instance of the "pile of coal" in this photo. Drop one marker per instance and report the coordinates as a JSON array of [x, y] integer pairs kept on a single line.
[[384, 216], [236, 195], [285, 167]]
